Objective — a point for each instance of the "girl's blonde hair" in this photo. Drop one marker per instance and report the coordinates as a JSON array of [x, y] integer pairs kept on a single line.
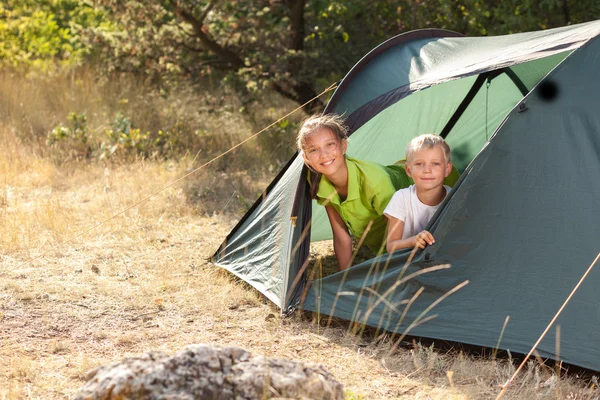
[[427, 141], [335, 123]]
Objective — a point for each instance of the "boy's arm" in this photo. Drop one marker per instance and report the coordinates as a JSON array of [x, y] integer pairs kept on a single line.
[[342, 242], [396, 242]]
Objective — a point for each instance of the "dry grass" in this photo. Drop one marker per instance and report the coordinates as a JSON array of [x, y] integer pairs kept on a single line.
[[203, 120], [141, 282]]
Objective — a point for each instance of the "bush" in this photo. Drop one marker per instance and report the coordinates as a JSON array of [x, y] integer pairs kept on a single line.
[[71, 138]]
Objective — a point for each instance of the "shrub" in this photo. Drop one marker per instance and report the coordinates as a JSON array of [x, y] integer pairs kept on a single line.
[[72, 138]]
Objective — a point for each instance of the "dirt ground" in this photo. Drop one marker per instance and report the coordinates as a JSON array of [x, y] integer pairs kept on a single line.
[[70, 302]]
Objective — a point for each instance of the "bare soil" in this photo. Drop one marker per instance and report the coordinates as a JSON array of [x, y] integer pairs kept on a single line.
[[142, 281]]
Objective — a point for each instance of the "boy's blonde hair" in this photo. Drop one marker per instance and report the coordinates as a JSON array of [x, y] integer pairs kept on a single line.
[[427, 141], [333, 122]]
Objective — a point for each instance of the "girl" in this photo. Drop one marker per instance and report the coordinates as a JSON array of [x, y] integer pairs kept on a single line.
[[354, 192]]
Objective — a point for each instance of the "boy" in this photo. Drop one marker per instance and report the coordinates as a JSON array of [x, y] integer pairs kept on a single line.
[[409, 210]]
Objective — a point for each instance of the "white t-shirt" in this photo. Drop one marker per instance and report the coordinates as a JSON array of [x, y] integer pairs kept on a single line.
[[406, 206]]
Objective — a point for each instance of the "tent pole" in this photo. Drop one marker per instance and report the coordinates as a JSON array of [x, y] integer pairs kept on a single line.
[[473, 92]]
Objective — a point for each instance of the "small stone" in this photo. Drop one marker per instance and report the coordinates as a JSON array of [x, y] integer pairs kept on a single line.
[[269, 317], [95, 269], [79, 271]]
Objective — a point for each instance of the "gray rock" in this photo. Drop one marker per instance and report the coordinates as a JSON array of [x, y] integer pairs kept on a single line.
[[210, 372]]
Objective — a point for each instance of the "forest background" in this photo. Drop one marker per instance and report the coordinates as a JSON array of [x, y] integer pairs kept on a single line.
[[104, 102], [154, 79]]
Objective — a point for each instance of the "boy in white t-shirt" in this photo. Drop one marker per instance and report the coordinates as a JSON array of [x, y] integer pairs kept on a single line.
[[409, 210]]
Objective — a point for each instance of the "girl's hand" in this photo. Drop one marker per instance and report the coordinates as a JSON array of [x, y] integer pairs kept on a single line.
[[423, 239]]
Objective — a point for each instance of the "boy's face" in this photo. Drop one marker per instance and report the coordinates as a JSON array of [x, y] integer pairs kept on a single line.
[[428, 168]]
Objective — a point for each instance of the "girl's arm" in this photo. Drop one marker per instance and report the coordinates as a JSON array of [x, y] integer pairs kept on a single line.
[[396, 242], [342, 242]]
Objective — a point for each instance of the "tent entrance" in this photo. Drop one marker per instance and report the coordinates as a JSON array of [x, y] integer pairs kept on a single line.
[[467, 110]]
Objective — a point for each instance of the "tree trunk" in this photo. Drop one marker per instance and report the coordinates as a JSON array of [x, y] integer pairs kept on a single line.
[[566, 12], [301, 91], [414, 6]]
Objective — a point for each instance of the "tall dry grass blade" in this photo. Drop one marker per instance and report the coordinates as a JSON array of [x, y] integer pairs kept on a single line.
[[320, 270], [346, 270], [412, 326], [301, 238], [432, 305], [557, 363], [307, 287], [392, 288], [495, 352], [383, 300], [374, 268], [505, 386], [410, 303], [300, 273], [592, 390], [316, 289], [383, 271]]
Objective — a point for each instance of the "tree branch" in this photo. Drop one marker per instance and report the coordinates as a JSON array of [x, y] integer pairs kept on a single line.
[[206, 10], [199, 30], [285, 93]]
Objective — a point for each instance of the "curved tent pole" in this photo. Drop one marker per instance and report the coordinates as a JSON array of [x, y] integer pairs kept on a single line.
[[392, 42], [516, 80]]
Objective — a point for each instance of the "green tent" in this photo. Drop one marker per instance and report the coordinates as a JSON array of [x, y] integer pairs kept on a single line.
[[522, 115]]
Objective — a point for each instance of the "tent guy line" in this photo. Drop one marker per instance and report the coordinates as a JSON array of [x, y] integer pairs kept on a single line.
[[54, 247]]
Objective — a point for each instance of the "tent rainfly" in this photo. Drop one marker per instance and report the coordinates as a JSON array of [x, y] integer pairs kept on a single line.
[[521, 114]]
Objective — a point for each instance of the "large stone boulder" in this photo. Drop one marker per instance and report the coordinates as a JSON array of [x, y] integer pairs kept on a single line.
[[209, 372]]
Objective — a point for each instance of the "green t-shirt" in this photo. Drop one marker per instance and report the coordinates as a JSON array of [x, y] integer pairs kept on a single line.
[[370, 188]]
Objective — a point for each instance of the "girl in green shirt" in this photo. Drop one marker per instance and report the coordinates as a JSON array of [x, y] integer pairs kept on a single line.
[[354, 192]]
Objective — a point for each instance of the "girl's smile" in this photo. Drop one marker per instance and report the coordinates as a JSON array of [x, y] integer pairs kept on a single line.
[[324, 152]]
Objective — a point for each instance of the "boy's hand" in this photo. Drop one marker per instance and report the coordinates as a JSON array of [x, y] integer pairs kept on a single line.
[[423, 239]]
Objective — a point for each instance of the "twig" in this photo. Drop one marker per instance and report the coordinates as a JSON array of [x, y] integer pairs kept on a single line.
[[145, 314]]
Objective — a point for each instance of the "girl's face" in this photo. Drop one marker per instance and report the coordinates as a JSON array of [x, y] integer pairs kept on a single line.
[[324, 152]]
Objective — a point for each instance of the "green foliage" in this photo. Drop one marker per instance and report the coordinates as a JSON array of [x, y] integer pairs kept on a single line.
[[122, 138], [492, 17], [72, 137], [296, 47], [125, 137], [350, 395], [42, 33]]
